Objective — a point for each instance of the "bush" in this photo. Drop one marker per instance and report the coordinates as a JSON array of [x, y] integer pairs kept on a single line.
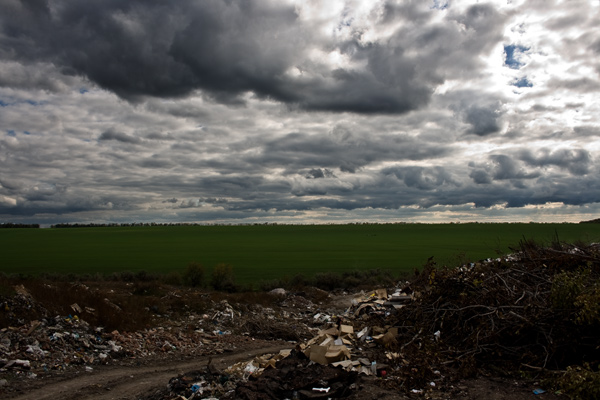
[[298, 281], [144, 276], [580, 382], [223, 278], [123, 276], [576, 294], [172, 278], [194, 274], [327, 280]]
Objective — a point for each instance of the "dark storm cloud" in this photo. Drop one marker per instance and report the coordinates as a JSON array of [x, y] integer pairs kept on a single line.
[[481, 111], [43, 192], [227, 48], [146, 110], [483, 120], [318, 173], [422, 178], [501, 167], [62, 201], [576, 161], [480, 176], [505, 167], [344, 150]]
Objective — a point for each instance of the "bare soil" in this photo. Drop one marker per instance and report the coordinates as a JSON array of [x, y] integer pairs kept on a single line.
[[132, 381]]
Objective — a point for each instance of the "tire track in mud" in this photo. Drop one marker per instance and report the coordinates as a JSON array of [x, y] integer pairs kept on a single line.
[[126, 383]]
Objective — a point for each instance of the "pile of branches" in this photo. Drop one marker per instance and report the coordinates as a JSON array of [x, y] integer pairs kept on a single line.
[[537, 309]]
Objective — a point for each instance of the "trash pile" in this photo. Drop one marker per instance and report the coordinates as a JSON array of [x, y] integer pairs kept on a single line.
[[329, 365], [37, 347], [294, 377], [61, 342], [535, 311]]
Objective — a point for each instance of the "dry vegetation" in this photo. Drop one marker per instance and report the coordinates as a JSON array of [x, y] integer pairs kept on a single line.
[[535, 313]]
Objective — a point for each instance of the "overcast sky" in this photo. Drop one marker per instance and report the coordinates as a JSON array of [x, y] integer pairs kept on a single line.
[[293, 111]]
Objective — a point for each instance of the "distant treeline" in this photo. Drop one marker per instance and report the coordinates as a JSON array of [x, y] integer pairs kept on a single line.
[[131, 224], [11, 225], [114, 224]]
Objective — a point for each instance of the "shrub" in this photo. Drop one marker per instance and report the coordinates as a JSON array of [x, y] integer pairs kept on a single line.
[[327, 280], [144, 276], [580, 382], [194, 274], [577, 294], [298, 281], [172, 278], [123, 276], [566, 287], [223, 278]]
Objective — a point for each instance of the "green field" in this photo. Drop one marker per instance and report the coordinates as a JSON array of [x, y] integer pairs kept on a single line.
[[261, 252]]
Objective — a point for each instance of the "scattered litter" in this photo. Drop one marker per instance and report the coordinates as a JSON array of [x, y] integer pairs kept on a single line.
[[393, 334]]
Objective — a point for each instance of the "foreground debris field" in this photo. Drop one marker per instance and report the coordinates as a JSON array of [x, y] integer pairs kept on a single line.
[[519, 326]]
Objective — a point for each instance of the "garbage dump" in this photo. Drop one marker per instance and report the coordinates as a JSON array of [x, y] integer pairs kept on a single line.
[[532, 314]]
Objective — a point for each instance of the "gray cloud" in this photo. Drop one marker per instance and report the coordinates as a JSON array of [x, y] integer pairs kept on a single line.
[[229, 48], [586, 130], [580, 84], [501, 167], [319, 173], [305, 111], [422, 178], [483, 121], [576, 161], [113, 134], [345, 150]]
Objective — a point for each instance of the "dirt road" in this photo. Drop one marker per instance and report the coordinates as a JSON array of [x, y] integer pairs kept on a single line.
[[124, 383]]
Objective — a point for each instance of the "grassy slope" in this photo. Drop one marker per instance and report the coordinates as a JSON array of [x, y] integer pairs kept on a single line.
[[265, 252]]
